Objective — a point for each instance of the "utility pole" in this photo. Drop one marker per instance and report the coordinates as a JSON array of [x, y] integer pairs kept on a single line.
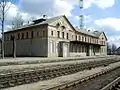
[[81, 16]]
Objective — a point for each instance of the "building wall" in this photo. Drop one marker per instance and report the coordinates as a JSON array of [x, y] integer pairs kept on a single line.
[[103, 41], [54, 41], [45, 40], [35, 43]]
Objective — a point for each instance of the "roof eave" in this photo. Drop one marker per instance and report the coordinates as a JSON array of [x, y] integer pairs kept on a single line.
[[17, 29]]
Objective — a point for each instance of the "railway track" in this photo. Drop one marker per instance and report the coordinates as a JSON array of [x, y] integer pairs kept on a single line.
[[114, 85], [19, 78], [89, 64], [86, 83]]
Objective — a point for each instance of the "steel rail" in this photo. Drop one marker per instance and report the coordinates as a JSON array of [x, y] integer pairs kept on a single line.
[[76, 82], [112, 85]]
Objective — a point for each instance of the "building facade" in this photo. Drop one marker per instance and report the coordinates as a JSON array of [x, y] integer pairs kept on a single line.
[[54, 37]]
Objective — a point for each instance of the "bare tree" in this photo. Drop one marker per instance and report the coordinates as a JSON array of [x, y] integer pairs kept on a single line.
[[109, 49], [3, 9], [17, 21], [114, 48], [31, 20]]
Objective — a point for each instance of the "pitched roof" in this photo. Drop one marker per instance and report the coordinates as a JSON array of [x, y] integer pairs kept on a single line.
[[47, 21], [118, 49], [50, 20], [86, 32], [97, 33]]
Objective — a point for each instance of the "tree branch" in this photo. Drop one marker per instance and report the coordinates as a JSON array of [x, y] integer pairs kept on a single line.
[[8, 7]]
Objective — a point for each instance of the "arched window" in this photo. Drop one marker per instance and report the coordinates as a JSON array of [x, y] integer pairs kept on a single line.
[[63, 27], [57, 25]]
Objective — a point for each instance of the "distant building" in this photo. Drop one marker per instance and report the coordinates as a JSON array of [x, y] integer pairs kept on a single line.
[[55, 37], [118, 51]]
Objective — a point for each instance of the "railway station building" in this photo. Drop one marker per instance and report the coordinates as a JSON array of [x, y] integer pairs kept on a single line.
[[54, 37]]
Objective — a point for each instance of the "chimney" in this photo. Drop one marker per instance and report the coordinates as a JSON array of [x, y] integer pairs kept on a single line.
[[44, 16], [88, 30]]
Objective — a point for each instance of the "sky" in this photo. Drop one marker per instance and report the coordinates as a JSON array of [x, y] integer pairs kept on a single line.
[[103, 15]]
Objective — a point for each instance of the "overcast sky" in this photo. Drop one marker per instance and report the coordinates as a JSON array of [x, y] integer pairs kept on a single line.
[[99, 14]]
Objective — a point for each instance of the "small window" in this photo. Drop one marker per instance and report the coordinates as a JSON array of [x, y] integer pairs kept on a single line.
[[57, 25], [18, 35], [51, 33], [32, 34], [63, 27], [26, 34], [85, 39], [22, 35], [11, 37], [79, 38], [62, 34], [43, 33], [67, 36], [76, 37], [58, 34], [82, 38]]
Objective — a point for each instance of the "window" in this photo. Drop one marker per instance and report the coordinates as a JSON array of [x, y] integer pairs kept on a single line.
[[82, 38], [67, 36], [62, 34], [22, 35], [57, 25], [43, 33], [18, 35], [11, 38], [96, 41], [26, 34], [90, 40], [32, 34], [85, 39], [79, 38], [76, 37], [63, 27], [52, 33], [58, 34]]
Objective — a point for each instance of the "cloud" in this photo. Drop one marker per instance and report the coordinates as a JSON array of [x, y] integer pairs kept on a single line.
[[37, 8], [109, 22], [100, 3], [114, 40], [104, 3], [48, 7], [11, 12], [88, 3]]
